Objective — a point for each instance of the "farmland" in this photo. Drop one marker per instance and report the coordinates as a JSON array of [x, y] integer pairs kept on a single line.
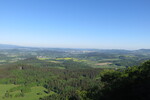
[[47, 74]]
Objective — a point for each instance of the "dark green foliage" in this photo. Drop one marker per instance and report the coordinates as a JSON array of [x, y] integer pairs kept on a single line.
[[130, 84], [77, 80], [63, 82], [19, 95], [7, 95]]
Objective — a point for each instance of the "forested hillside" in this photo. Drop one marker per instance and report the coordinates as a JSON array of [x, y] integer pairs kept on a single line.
[[74, 74], [129, 84], [23, 78]]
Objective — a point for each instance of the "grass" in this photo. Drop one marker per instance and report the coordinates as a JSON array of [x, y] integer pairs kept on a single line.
[[74, 59], [2, 60], [4, 88], [108, 66], [54, 61], [43, 58], [64, 58], [102, 64], [61, 67], [35, 93], [109, 60]]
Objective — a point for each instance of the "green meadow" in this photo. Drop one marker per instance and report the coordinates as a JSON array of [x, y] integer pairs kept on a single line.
[[34, 94]]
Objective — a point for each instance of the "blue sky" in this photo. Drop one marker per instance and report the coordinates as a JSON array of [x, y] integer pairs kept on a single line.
[[103, 24]]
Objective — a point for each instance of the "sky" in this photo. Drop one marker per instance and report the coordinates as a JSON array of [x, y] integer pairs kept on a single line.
[[101, 24]]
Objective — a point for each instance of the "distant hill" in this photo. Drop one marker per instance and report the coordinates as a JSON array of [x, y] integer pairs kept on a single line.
[[142, 51], [8, 46]]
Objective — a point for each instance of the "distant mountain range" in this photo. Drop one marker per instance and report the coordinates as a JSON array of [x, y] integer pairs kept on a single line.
[[8, 46]]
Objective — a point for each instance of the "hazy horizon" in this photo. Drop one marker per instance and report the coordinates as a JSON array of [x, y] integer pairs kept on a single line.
[[95, 24], [46, 47]]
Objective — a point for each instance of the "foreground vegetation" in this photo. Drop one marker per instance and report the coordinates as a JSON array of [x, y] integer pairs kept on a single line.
[[22, 81], [16, 92], [76, 75]]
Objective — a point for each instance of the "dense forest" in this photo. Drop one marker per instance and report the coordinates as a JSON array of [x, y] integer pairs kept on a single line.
[[74, 75]]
